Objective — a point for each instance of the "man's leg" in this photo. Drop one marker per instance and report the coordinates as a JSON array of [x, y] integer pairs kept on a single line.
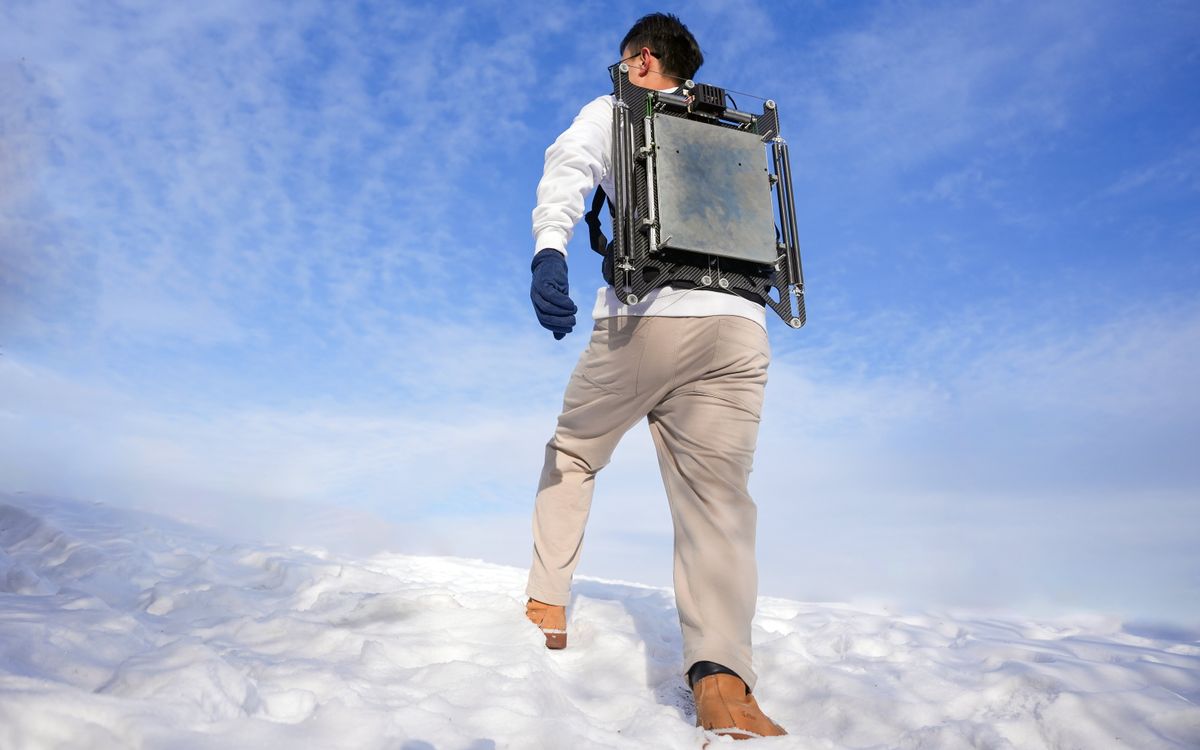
[[705, 432], [601, 403]]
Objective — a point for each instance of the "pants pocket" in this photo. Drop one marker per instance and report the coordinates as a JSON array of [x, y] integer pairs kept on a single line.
[[612, 357]]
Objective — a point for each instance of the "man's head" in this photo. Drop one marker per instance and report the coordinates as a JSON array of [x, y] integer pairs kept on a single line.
[[661, 52]]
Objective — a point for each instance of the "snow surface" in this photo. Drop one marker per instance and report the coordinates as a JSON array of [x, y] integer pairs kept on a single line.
[[123, 629]]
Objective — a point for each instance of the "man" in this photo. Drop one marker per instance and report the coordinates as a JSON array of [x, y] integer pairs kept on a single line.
[[693, 362]]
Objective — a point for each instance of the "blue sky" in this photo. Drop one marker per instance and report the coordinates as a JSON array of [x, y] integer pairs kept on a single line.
[[265, 266]]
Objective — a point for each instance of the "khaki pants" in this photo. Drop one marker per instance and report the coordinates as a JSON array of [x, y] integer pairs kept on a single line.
[[699, 382]]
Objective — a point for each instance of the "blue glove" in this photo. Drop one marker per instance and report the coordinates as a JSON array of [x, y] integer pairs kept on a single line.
[[549, 292]]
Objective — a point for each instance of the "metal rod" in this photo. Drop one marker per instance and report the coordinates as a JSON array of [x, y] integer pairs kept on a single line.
[[651, 214], [618, 199], [781, 199], [626, 156], [737, 116], [795, 244], [787, 210], [678, 100], [621, 218]]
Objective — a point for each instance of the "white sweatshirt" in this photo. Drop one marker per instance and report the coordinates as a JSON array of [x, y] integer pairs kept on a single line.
[[576, 162]]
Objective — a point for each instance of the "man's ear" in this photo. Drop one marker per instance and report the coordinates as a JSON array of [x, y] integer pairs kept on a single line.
[[645, 59]]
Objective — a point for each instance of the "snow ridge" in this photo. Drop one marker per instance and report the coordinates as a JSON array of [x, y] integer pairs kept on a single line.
[[121, 629]]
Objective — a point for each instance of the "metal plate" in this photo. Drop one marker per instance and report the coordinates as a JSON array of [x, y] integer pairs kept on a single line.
[[714, 192]]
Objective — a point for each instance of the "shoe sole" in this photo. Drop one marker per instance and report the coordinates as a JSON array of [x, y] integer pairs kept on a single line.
[[737, 734], [555, 639]]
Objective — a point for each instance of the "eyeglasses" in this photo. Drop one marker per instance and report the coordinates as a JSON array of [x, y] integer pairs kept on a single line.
[[612, 69]]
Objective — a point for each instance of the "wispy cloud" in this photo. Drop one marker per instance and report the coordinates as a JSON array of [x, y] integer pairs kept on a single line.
[[1179, 169], [259, 170], [920, 83]]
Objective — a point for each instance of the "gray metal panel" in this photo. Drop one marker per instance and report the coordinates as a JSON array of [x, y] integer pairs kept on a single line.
[[714, 192]]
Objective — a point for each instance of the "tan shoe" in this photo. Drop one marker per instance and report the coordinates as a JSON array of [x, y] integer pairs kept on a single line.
[[552, 619], [724, 707]]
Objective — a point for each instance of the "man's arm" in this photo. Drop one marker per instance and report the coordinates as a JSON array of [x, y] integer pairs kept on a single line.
[[575, 163]]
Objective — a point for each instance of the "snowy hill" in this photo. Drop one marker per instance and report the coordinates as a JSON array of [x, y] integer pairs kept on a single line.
[[121, 629]]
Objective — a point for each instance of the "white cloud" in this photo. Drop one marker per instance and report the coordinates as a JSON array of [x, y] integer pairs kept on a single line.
[[930, 98], [229, 172], [1179, 170], [905, 486], [1043, 469]]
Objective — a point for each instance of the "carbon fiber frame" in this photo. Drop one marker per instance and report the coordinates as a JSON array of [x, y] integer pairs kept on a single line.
[[640, 263]]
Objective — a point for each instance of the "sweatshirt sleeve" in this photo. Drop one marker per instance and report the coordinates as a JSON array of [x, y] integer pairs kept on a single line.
[[575, 163]]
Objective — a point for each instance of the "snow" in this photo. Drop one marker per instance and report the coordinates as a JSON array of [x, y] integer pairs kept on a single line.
[[123, 629]]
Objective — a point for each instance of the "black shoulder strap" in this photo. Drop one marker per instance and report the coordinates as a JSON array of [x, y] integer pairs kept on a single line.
[[595, 233]]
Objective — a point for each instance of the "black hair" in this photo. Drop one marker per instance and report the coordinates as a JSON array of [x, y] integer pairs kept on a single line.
[[666, 35]]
